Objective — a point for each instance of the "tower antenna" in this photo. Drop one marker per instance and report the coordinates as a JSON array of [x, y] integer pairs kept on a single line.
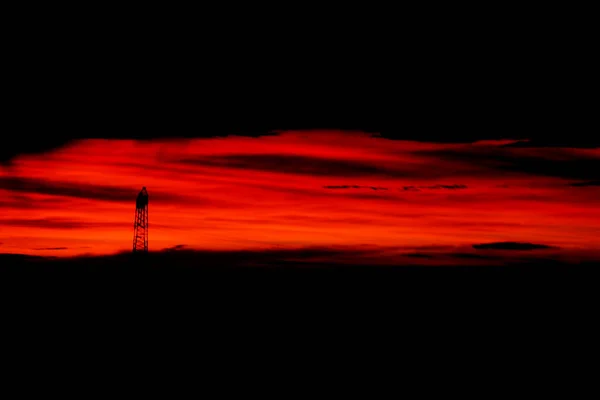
[[140, 223]]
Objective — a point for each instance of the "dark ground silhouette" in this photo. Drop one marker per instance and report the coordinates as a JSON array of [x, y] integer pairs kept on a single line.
[[180, 258], [251, 299], [283, 271]]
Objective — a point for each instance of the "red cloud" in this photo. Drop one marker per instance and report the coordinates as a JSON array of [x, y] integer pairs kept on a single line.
[[236, 193]]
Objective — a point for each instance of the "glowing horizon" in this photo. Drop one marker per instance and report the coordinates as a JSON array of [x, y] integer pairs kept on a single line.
[[294, 190]]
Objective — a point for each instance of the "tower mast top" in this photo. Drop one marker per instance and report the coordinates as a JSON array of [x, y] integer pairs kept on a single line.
[[142, 199]]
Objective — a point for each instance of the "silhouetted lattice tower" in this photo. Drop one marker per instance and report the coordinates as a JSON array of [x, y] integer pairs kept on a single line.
[[140, 223]]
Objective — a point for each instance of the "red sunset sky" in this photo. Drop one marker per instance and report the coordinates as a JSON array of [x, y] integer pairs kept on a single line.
[[299, 189]]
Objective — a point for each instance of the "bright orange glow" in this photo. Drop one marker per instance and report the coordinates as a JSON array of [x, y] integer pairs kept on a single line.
[[291, 190]]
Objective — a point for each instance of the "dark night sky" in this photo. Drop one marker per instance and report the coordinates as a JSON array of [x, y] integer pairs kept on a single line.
[[444, 76]]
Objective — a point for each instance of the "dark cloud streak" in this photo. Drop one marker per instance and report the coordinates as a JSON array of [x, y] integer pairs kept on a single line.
[[30, 186], [57, 223], [433, 187], [83, 191], [512, 246], [470, 256], [294, 164], [560, 164], [585, 184], [355, 187]]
